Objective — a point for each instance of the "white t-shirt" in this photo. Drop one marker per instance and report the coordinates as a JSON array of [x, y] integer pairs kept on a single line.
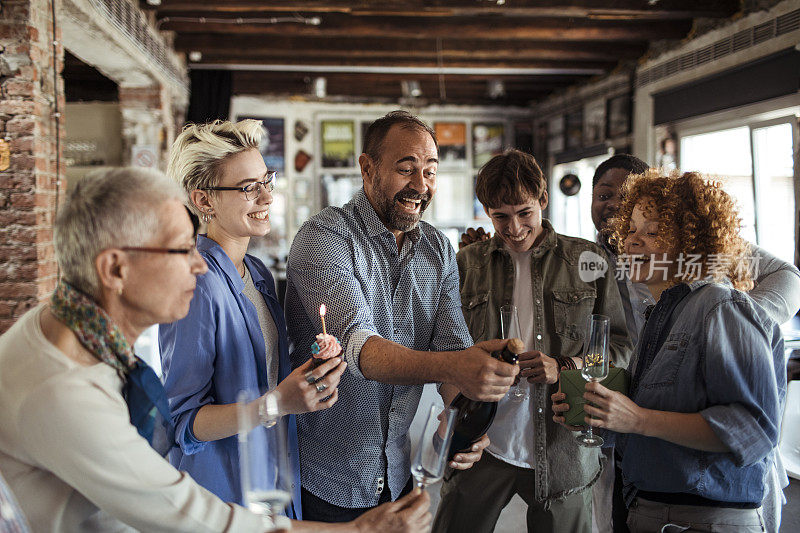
[[512, 432], [267, 325]]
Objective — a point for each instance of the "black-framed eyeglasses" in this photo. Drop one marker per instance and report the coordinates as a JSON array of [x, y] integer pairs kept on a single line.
[[157, 250], [251, 190]]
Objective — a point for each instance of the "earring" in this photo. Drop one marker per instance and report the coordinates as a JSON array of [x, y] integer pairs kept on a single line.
[[207, 216], [119, 291]]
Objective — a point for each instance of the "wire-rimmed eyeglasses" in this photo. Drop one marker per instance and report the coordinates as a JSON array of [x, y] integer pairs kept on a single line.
[[159, 250], [252, 190]]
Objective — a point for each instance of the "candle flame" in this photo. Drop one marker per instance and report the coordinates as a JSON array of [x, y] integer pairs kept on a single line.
[[322, 310]]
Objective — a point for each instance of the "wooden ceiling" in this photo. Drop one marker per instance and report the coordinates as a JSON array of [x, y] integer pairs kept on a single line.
[[453, 48]]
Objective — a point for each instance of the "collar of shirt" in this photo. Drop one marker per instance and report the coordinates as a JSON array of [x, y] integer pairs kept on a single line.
[[215, 251]]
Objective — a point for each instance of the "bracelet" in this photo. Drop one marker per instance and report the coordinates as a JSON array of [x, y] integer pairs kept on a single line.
[[268, 410], [566, 362]]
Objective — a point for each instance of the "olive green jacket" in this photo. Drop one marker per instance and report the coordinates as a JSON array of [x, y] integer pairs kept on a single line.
[[562, 303]]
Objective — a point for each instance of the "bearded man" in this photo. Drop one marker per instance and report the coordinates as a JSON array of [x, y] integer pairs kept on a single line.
[[390, 284]]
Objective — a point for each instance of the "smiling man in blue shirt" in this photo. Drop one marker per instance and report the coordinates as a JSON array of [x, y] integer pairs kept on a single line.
[[390, 283]]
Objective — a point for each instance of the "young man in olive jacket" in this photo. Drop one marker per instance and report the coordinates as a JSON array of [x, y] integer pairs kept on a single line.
[[529, 265]]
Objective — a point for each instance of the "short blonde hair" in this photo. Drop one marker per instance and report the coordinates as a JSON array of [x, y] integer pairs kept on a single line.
[[108, 209], [196, 154]]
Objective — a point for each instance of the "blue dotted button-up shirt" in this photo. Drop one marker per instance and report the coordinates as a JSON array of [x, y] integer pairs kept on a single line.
[[347, 259]]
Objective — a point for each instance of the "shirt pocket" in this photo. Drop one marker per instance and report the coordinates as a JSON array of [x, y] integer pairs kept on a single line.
[[475, 309], [571, 307], [664, 369]]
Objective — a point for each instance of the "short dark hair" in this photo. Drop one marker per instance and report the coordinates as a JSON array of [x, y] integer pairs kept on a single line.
[[632, 164], [512, 178], [377, 131]]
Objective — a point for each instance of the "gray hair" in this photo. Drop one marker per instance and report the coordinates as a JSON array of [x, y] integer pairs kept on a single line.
[[108, 209], [198, 151]]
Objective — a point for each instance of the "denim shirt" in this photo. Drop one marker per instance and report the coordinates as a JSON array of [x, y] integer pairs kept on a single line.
[[213, 353], [721, 356], [561, 304]]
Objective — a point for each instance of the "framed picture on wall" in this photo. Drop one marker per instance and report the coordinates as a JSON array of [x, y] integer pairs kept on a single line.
[[523, 136], [573, 129], [487, 142], [619, 116], [594, 122], [540, 140], [452, 138], [272, 142], [364, 127], [555, 132], [338, 144]]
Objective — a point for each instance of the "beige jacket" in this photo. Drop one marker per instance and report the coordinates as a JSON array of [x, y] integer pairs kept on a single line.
[[74, 461]]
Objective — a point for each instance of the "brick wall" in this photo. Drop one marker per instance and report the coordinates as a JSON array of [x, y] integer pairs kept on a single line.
[[28, 188]]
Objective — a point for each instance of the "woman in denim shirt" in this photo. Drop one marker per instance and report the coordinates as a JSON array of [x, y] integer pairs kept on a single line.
[[234, 337], [708, 378]]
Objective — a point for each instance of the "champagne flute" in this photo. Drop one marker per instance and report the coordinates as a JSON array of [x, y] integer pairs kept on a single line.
[[509, 326], [595, 366], [264, 465], [434, 445]]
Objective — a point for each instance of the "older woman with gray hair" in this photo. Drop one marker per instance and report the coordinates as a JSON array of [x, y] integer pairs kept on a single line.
[[83, 421]]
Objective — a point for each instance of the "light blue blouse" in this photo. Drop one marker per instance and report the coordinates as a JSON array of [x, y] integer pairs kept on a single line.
[[209, 356]]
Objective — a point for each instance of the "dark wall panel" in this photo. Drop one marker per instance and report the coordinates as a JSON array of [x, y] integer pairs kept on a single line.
[[770, 77]]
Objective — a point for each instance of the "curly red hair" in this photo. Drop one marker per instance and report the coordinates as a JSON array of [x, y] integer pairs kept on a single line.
[[696, 217]]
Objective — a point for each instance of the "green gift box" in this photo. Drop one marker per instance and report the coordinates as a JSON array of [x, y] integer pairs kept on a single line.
[[573, 385]]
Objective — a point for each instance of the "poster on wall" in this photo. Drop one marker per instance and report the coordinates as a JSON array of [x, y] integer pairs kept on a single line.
[[555, 132], [523, 136], [272, 142], [487, 142], [619, 118], [452, 138], [364, 127], [338, 144], [573, 130]]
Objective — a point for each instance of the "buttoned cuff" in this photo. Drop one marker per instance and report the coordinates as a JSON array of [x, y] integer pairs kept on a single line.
[[733, 425], [352, 353]]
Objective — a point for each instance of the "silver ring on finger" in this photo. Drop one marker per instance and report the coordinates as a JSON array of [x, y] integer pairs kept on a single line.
[[310, 379], [321, 387]]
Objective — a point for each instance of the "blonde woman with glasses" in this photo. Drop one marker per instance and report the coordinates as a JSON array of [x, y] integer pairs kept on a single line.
[[234, 337]]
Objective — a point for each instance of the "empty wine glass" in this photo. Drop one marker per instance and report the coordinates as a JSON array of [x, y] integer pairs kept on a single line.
[[509, 326], [595, 366], [434, 444], [264, 465]]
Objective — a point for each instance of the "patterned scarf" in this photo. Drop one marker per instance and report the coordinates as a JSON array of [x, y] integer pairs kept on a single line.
[[97, 332]]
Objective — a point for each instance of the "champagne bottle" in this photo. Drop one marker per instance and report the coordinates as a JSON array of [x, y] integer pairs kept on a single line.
[[474, 417]]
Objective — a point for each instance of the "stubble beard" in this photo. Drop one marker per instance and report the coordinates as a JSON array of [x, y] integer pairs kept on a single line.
[[393, 216]]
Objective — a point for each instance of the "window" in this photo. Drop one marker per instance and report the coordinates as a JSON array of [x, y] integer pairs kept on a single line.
[[755, 164]]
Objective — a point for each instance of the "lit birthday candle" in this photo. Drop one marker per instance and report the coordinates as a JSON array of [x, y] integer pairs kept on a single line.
[[325, 346]]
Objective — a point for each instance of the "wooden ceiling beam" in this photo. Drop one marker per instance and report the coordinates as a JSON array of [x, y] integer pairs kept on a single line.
[[252, 45], [489, 28], [497, 62], [360, 79], [620, 9]]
